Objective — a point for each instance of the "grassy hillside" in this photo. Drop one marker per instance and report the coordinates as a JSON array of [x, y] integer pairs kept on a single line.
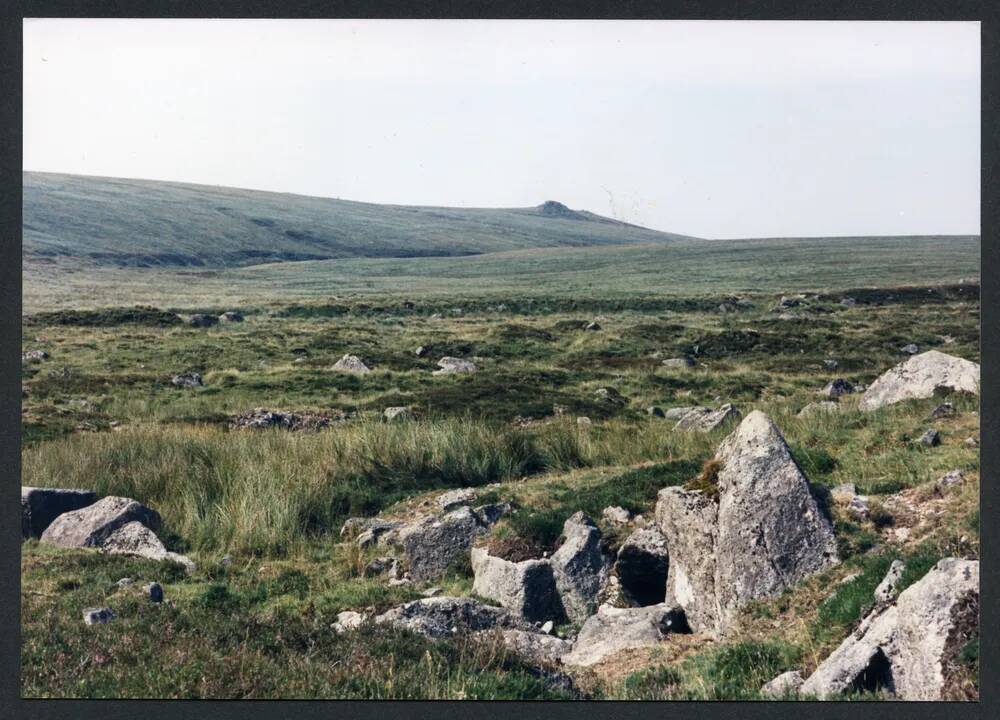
[[144, 223]]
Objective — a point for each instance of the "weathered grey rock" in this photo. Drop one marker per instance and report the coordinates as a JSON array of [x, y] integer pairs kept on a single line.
[[642, 566], [489, 514], [34, 355], [942, 411], [351, 364], [817, 408], [616, 515], [432, 545], [583, 421], [888, 589], [785, 685], [547, 627], [763, 535], [678, 363], [348, 620], [453, 365], [124, 582], [610, 394], [203, 321], [98, 616], [92, 525], [580, 567], [787, 302], [456, 498], [907, 648], [677, 413], [134, 538], [191, 379], [836, 388], [831, 364], [612, 630], [919, 377], [441, 617], [592, 327], [535, 647], [707, 420], [859, 507], [40, 506], [655, 411], [421, 351], [911, 349], [354, 526], [398, 414], [950, 479], [382, 566], [379, 532], [689, 521], [930, 438], [971, 442], [526, 588], [154, 591], [231, 316], [848, 302], [789, 316]]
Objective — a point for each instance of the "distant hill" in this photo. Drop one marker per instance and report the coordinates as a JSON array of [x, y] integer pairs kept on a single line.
[[145, 223]]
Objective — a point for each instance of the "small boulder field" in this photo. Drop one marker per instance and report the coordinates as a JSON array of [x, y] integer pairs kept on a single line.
[[751, 498]]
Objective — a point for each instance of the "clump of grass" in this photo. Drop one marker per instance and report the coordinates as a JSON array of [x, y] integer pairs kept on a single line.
[[707, 481]]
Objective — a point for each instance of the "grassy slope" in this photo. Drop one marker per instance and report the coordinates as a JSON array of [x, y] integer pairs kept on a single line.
[[118, 222]]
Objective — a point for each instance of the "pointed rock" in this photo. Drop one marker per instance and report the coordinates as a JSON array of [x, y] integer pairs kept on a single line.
[[351, 364], [580, 567]]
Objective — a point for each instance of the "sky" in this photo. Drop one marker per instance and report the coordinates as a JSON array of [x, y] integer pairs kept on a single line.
[[707, 128]]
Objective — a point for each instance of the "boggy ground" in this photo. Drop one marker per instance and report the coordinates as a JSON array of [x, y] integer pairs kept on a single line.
[[101, 413]]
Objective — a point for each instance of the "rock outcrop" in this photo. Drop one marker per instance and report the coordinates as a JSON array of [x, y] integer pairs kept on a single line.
[[526, 588], [612, 630], [441, 617], [763, 534], [433, 544], [580, 567], [92, 525], [907, 649], [784, 686], [40, 506], [919, 377]]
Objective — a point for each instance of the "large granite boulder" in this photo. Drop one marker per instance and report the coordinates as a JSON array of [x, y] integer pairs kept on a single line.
[[580, 567], [642, 566], [433, 544], [40, 506], [92, 525], [526, 588], [919, 377], [908, 648], [441, 617], [136, 539], [764, 533], [612, 630]]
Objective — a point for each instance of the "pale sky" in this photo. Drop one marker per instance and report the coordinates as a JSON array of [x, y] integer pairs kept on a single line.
[[715, 129]]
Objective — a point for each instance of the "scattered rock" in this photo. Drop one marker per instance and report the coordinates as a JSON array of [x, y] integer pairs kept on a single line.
[[592, 327], [535, 647], [942, 411], [950, 479], [908, 648], [40, 506], [489, 514], [677, 413], [930, 438], [379, 532], [785, 685], [887, 590], [92, 525], [919, 377], [848, 302], [431, 591], [858, 508], [154, 591], [789, 316], [655, 411], [134, 538], [526, 588], [616, 515], [579, 566], [191, 379], [124, 582], [432, 545], [421, 351], [707, 420], [836, 388], [583, 421], [382, 566], [971, 442], [453, 365], [98, 616], [910, 349], [763, 535], [610, 394], [231, 316], [830, 365], [818, 408], [787, 302], [34, 355], [642, 565], [398, 414], [612, 630], [456, 498], [351, 364], [203, 321], [678, 363], [441, 617]]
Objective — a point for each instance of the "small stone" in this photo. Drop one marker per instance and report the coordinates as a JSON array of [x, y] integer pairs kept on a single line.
[[910, 349], [942, 411], [930, 438], [98, 616], [398, 414], [421, 351], [453, 366], [124, 582], [971, 442], [616, 515], [231, 316], [831, 364], [836, 388], [547, 627], [816, 408], [655, 411], [584, 421], [592, 327], [858, 508], [187, 380], [955, 477], [155, 592], [848, 302], [678, 363]]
